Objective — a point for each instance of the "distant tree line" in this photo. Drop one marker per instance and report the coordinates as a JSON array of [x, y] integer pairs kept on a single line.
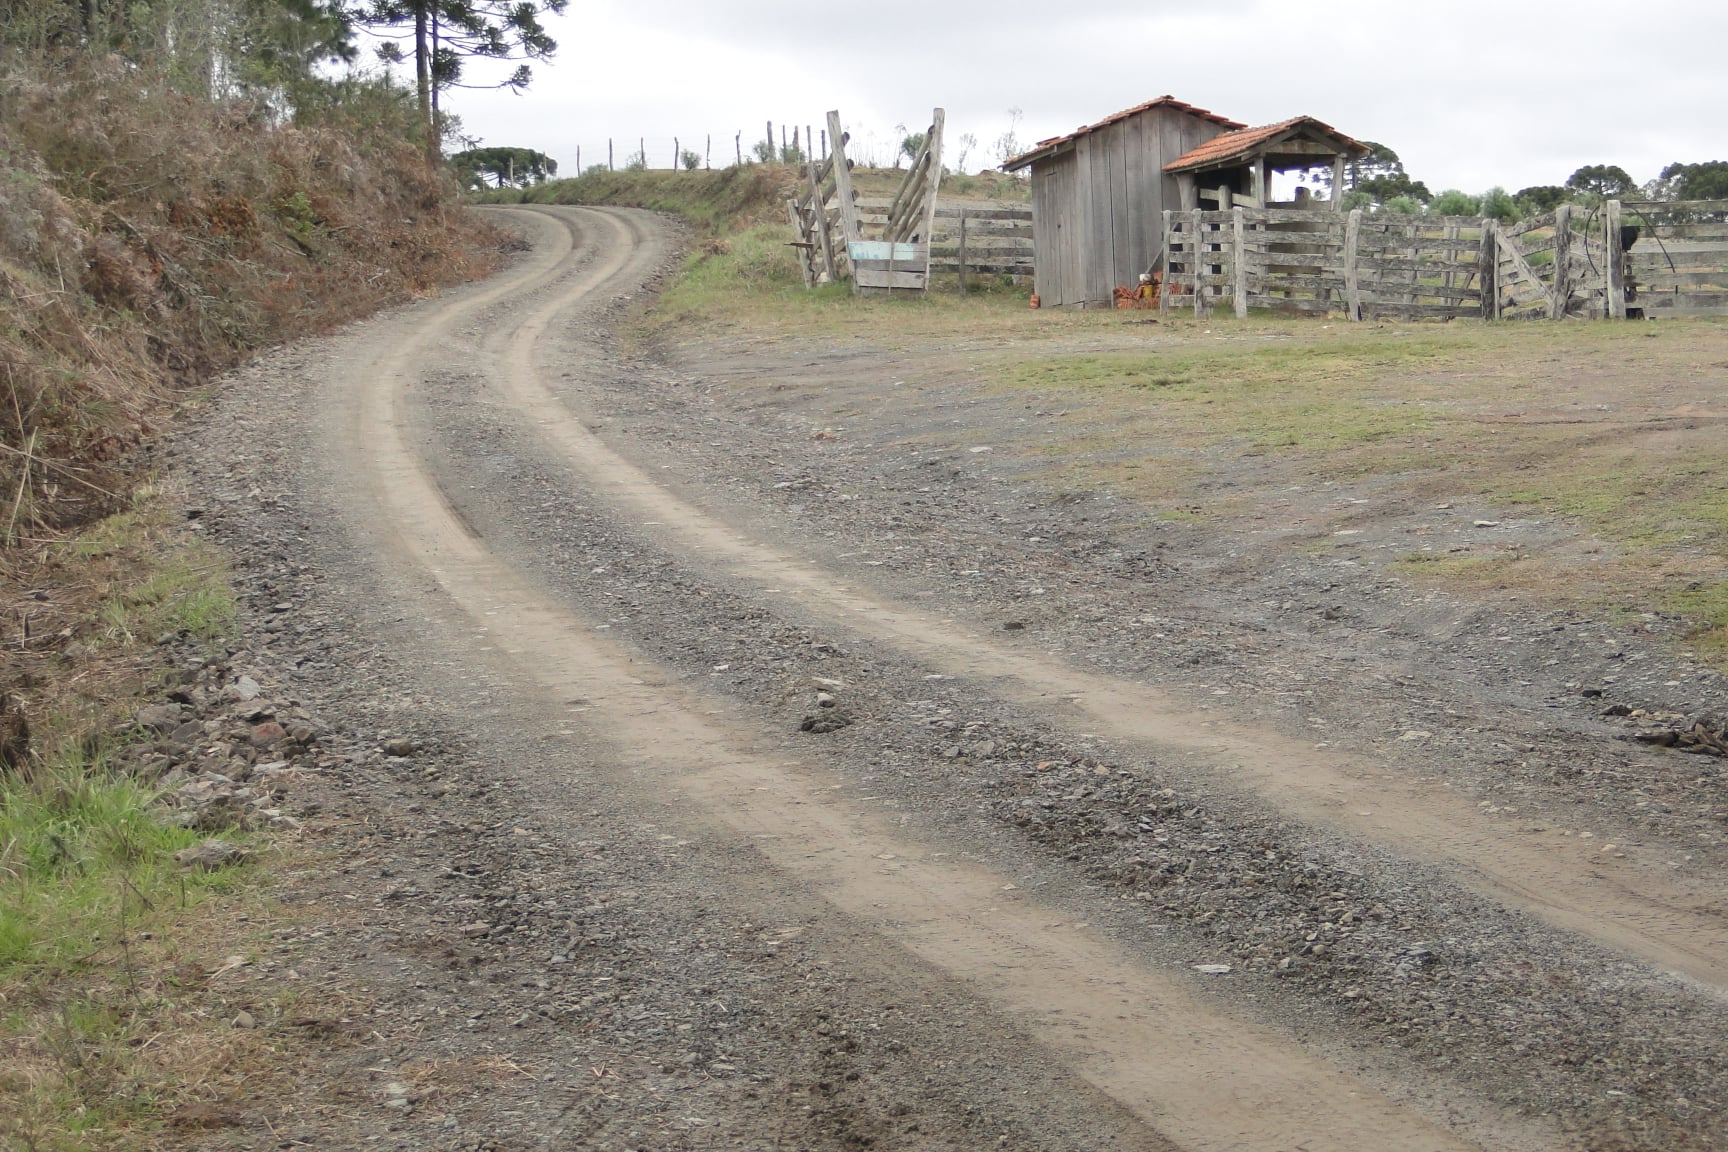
[[1379, 182]]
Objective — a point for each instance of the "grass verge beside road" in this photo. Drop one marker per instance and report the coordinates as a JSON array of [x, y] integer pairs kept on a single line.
[[107, 943]]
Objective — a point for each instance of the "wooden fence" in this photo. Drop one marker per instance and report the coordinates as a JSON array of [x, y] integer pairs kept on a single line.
[[982, 236], [1320, 261], [1638, 258], [1674, 257]]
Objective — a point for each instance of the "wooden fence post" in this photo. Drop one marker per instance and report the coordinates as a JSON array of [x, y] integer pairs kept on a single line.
[[1488, 271], [1240, 227], [738, 148], [1352, 278], [1614, 275], [609, 167], [1166, 286], [1562, 295], [677, 154], [962, 251], [1198, 262], [804, 251], [770, 159]]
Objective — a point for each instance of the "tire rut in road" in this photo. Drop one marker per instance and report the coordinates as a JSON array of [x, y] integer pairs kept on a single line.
[[1640, 913], [1190, 1070]]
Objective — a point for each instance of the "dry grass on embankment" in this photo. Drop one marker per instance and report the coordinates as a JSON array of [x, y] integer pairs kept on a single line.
[[148, 240]]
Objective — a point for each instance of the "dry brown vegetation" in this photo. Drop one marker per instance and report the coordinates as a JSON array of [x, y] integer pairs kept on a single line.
[[150, 239]]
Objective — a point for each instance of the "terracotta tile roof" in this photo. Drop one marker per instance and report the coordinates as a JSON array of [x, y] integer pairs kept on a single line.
[[1044, 146], [1226, 147]]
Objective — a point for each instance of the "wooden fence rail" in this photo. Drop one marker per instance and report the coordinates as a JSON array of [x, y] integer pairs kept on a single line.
[[969, 236]]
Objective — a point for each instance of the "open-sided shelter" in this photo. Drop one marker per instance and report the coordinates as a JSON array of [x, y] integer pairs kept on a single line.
[[1099, 194]]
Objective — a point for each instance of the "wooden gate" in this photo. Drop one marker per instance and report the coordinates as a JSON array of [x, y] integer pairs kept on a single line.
[[900, 260]]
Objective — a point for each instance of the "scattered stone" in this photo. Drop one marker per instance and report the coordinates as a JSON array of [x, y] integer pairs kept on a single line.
[[1213, 969], [245, 1020], [268, 733], [212, 855], [476, 930], [827, 720], [1014, 626], [160, 717], [401, 746]]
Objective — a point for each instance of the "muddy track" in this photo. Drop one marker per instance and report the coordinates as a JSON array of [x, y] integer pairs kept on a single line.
[[494, 538]]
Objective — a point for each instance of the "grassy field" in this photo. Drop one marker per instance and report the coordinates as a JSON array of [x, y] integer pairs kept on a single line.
[[1608, 431]]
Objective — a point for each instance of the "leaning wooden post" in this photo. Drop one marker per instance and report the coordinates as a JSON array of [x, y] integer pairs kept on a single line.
[[802, 243], [1562, 263], [819, 207], [1240, 227], [1488, 271], [843, 191], [1166, 286], [1352, 275], [1614, 275], [1199, 262]]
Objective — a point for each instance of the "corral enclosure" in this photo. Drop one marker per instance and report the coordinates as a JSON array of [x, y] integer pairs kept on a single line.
[[1641, 258]]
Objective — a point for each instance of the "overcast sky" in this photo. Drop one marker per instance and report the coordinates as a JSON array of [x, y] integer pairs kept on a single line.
[[1471, 94]]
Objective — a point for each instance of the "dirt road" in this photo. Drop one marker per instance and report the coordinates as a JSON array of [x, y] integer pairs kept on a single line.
[[1090, 905]]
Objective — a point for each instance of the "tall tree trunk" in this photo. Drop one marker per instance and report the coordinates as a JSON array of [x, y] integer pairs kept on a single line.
[[423, 76], [432, 70]]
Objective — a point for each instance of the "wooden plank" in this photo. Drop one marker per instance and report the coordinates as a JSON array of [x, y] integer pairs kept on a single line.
[[1684, 300], [1352, 262], [1561, 289], [820, 223], [860, 251], [1712, 231], [1377, 241], [803, 252], [1239, 262], [1169, 226], [1487, 265], [881, 278], [1428, 293], [1665, 281], [1418, 265], [1197, 262], [1674, 205], [1289, 304]]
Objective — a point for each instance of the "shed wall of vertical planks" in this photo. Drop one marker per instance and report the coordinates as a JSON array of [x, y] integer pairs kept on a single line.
[[1097, 206]]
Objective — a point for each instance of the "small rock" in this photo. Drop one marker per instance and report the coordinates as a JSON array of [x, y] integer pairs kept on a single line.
[[268, 733], [824, 700], [1592, 691], [212, 854], [1487, 523], [159, 717], [1014, 626], [243, 689], [476, 930], [400, 746], [1213, 969], [827, 720], [245, 1020]]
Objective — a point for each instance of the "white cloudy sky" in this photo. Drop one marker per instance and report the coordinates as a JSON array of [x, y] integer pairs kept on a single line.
[[1470, 93]]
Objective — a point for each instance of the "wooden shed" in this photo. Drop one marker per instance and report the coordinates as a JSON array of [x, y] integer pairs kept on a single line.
[[1098, 196]]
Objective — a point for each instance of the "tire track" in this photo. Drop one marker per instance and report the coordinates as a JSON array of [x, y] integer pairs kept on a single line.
[[1191, 1071], [1638, 912]]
